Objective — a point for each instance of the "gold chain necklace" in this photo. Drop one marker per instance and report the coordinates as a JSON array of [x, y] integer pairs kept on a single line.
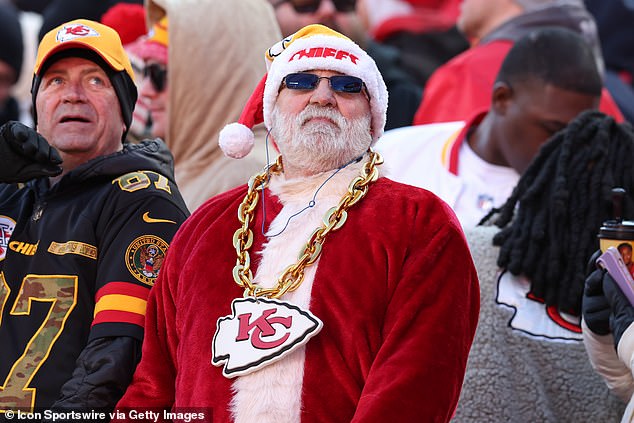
[[334, 219]]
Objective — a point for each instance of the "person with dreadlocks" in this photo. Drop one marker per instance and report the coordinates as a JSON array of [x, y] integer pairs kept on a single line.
[[528, 362]]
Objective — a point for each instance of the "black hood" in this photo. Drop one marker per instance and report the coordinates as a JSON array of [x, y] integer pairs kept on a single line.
[[152, 155]]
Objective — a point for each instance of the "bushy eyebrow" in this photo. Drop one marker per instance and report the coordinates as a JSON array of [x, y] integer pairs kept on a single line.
[[59, 70]]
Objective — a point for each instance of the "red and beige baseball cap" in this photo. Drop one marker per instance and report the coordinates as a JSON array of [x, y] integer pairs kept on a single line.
[[85, 34]]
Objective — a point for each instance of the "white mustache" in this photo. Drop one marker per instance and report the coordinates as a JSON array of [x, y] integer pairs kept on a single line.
[[313, 111]]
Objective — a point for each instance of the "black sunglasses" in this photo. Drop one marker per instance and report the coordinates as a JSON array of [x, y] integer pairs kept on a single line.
[[311, 6], [157, 74], [338, 83]]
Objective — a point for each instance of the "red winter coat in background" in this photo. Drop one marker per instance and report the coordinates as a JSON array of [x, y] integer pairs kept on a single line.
[[464, 85]]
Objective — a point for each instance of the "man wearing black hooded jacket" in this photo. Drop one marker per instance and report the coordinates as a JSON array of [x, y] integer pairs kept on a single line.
[[85, 223]]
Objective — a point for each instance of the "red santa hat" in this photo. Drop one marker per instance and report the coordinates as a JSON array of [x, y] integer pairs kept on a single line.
[[314, 47], [128, 19]]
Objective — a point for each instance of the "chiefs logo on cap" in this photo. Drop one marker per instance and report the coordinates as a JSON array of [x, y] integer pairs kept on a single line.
[[73, 31]]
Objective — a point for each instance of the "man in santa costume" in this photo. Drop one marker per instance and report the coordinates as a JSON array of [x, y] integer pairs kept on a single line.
[[335, 294]]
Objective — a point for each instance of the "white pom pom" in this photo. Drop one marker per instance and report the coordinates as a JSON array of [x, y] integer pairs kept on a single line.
[[236, 140]]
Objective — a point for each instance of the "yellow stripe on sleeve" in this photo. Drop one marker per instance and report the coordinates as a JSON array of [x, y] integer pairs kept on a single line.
[[119, 302]]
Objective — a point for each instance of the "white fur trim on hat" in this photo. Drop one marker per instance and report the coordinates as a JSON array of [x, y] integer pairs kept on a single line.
[[319, 47]]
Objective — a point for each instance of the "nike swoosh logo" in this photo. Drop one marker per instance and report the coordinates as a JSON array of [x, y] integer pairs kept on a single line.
[[148, 219]]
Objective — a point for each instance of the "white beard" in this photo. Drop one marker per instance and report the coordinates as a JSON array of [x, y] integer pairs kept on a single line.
[[316, 147]]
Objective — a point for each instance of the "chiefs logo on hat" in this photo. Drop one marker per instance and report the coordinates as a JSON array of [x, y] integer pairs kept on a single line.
[[73, 31]]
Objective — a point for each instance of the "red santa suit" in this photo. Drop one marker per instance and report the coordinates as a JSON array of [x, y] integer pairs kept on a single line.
[[395, 288]]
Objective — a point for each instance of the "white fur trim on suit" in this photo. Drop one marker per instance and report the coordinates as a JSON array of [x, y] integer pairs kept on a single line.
[[273, 394]]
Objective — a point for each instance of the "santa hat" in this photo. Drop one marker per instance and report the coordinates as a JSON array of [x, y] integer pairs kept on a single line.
[[128, 19], [314, 47]]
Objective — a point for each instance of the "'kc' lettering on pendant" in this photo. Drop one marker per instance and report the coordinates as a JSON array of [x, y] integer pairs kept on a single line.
[[260, 331]]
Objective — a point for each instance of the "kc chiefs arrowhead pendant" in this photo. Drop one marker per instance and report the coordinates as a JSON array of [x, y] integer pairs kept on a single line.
[[259, 332]]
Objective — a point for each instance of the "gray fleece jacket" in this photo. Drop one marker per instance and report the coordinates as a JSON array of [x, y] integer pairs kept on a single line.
[[516, 374]]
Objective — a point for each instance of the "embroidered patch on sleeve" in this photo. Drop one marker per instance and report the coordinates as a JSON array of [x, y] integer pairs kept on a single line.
[[144, 258], [73, 247]]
